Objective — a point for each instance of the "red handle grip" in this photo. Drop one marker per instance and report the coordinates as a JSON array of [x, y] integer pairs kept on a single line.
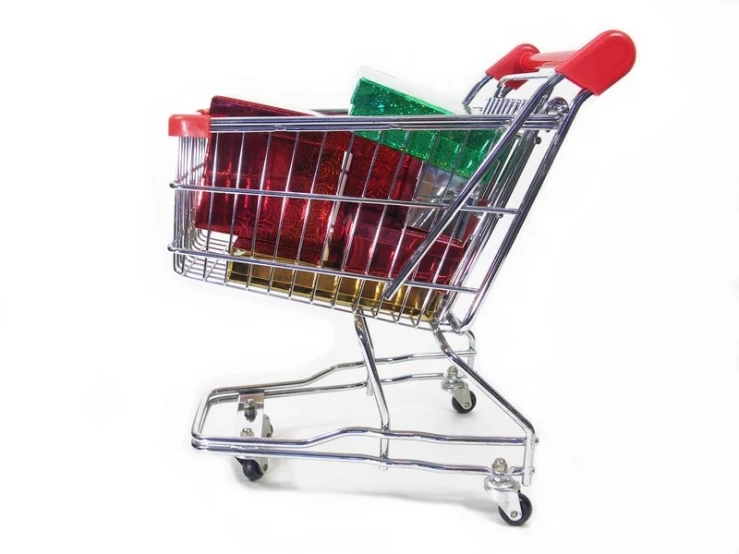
[[595, 67]]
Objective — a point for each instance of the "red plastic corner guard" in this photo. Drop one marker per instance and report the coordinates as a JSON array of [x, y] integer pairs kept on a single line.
[[595, 67], [190, 125]]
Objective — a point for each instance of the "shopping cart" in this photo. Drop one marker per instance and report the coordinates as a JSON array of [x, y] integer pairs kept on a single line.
[[426, 259]]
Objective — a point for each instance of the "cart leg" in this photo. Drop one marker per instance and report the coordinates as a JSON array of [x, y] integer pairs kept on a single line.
[[373, 380], [495, 396]]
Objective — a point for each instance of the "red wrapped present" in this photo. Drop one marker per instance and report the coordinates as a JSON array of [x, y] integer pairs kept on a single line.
[[256, 161]]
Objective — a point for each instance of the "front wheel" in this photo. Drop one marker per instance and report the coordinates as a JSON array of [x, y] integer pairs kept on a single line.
[[252, 470], [526, 511]]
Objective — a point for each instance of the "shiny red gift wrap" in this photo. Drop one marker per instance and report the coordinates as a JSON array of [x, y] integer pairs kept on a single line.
[[383, 254], [253, 161]]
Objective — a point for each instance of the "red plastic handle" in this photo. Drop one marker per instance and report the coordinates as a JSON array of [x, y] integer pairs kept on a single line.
[[597, 66]]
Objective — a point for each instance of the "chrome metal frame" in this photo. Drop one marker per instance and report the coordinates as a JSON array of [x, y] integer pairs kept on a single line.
[[205, 255]]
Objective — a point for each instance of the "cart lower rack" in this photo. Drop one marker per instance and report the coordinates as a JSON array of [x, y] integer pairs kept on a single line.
[[320, 210]]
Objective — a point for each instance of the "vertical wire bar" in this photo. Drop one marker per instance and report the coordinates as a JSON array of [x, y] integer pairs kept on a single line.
[[355, 220], [178, 235], [330, 223], [180, 165], [336, 207], [340, 184], [314, 285], [360, 205], [193, 197], [189, 205], [407, 296], [190, 196], [282, 212], [210, 208], [259, 199], [403, 231], [458, 223], [236, 199], [181, 154], [185, 202], [183, 197], [307, 215], [371, 256], [373, 378]]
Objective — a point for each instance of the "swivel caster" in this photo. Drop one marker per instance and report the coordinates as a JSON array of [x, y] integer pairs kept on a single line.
[[252, 469], [463, 399], [470, 404], [514, 507], [526, 511]]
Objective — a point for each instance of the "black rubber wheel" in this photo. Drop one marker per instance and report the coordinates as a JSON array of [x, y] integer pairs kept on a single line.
[[461, 409], [526, 510], [252, 470]]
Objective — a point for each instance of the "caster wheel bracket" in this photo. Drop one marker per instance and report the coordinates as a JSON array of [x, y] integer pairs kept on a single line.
[[253, 423], [505, 492], [464, 397]]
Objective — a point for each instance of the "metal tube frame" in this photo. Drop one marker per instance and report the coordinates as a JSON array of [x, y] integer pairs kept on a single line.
[[263, 447]]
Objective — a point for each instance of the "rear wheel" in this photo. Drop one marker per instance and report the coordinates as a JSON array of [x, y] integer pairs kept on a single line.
[[526, 510], [461, 409], [252, 470]]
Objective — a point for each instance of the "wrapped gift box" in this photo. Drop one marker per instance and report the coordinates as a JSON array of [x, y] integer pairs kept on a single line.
[[460, 152], [240, 162]]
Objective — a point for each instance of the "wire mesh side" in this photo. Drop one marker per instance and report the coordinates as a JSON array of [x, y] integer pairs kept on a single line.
[[328, 217]]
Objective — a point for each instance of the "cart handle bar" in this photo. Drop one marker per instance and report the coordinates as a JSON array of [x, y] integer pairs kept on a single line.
[[595, 67]]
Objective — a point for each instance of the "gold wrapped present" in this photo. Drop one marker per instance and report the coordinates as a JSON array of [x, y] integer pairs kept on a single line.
[[345, 291]]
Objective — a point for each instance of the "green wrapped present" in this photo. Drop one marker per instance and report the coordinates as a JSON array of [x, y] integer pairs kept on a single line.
[[460, 152]]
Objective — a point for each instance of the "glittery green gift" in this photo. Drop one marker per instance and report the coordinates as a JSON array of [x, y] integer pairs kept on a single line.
[[459, 151]]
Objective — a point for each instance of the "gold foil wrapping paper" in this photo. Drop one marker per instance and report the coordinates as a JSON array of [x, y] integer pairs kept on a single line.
[[345, 291]]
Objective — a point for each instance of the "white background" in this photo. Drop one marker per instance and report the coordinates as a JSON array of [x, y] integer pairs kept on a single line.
[[613, 325]]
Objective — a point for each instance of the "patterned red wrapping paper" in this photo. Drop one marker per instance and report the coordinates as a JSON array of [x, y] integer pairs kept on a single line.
[[387, 244], [249, 214]]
